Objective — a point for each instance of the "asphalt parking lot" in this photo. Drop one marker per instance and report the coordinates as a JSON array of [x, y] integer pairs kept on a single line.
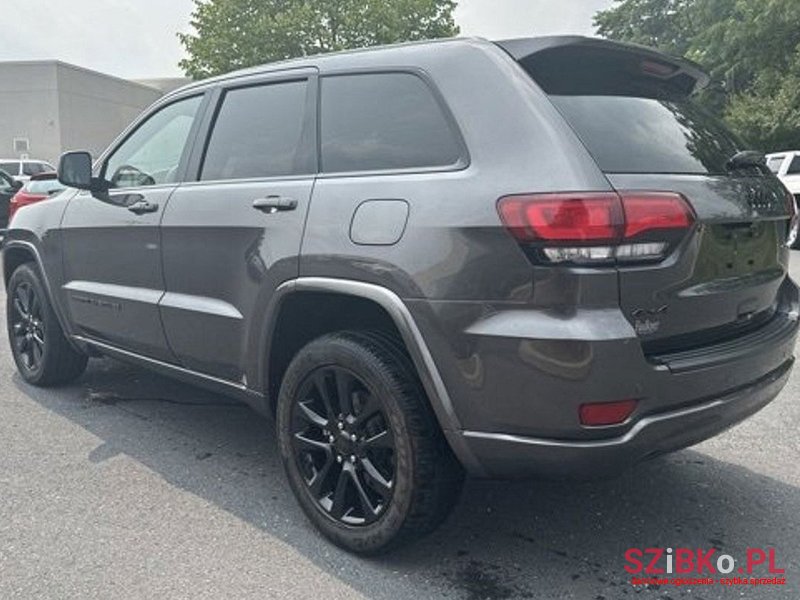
[[128, 485]]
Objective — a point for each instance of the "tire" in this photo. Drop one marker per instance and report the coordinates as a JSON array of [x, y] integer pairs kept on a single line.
[[41, 352], [397, 442]]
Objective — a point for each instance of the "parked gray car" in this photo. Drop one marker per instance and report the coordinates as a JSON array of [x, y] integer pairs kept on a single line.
[[533, 257]]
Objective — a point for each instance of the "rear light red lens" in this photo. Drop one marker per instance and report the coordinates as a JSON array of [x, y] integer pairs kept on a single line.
[[648, 211], [595, 227], [606, 413], [562, 217], [22, 199]]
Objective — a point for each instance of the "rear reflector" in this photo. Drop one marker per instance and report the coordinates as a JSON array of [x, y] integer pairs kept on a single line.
[[597, 227], [606, 413]]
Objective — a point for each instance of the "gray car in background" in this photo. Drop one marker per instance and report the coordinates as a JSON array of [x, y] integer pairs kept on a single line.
[[532, 257]]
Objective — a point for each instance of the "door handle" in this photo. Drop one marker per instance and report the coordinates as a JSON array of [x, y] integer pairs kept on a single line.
[[142, 207], [273, 204]]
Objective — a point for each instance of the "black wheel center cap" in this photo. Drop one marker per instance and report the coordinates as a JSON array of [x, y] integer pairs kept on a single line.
[[343, 443]]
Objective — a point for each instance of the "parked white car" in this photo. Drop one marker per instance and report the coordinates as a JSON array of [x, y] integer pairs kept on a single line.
[[23, 169], [786, 165]]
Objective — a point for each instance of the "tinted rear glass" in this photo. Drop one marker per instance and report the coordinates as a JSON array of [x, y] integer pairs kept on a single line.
[[794, 168], [12, 168], [644, 135], [628, 134], [383, 121], [258, 133], [34, 168]]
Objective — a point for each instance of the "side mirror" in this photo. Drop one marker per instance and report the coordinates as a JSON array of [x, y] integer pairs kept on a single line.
[[75, 170]]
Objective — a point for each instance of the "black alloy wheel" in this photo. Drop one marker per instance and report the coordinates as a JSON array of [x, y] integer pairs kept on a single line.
[[43, 354], [361, 446], [27, 326], [343, 446]]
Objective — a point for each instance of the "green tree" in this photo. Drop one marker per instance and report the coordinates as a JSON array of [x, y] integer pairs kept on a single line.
[[751, 48], [233, 34]]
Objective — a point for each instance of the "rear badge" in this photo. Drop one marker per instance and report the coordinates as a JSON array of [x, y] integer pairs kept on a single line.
[[648, 321]]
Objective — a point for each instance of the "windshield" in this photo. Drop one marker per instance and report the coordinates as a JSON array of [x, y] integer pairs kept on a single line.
[[627, 134]]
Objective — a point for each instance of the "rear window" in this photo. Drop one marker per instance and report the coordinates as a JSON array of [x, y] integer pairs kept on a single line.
[[44, 186], [628, 134], [34, 168], [12, 168], [383, 121], [794, 168]]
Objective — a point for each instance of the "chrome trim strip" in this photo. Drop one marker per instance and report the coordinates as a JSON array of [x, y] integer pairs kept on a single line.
[[778, 375], [239, 387], [112, 290], [200, 304]]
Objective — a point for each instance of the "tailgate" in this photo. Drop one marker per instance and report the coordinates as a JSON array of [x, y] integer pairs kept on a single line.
[[632, 109]]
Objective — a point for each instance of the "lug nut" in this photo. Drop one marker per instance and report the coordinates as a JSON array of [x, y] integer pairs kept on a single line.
[[353, 458], [341, 425], [331, 439], [353, 437], [339, 459]]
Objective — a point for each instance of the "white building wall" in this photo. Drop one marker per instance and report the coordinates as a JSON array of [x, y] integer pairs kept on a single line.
[[60, 107], [95, 108], [29, 109]]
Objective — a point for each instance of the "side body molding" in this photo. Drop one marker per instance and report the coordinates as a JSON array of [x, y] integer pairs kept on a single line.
[[414, 341]]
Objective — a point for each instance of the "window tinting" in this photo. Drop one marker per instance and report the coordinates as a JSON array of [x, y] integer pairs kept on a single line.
[[34, 168], [12, 168], [383, 121], [794, 168], [258, 133], [152, 154], [627, 134]]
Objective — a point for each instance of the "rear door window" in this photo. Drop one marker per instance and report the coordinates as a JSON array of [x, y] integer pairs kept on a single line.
[[628, 134], [383, 121], [258, 133]]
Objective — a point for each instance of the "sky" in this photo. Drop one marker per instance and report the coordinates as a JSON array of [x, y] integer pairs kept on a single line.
[[137, 38]]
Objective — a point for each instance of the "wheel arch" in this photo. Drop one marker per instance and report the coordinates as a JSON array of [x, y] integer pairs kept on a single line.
[[375, 306], [18, 252]]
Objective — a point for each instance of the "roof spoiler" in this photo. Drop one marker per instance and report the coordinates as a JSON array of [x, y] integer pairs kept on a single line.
[[577, 64]]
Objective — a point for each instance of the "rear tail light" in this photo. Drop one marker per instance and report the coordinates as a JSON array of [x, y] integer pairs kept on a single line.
[[601, 227], [606, 413]]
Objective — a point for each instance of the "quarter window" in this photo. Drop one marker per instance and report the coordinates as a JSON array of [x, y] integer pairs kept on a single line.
[[383, 121], [794, 168], [152, 154], [258, 133]]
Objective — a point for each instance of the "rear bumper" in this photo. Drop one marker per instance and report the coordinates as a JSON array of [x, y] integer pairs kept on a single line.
[[501, 455], [518, 377]]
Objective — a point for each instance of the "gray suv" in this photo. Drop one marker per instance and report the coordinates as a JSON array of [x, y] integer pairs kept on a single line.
[[532, 257]]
